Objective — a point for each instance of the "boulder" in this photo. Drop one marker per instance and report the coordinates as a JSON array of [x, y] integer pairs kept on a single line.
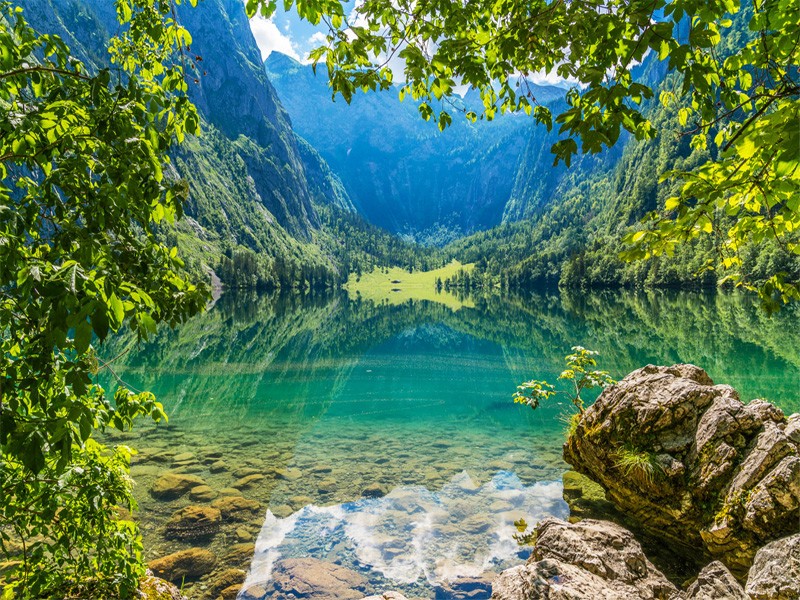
[[313, 578], [171, 485], [386, 596], [586, 560], [692, 464], [236, 508], [193, 523], [247, 481], [775, 574], [225, 580], [188, 564], [155, 588], [715, 582], [202, 493]]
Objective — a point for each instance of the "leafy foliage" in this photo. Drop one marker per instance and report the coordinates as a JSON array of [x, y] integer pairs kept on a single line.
[[738, 93], [580, 372], [82, 159]]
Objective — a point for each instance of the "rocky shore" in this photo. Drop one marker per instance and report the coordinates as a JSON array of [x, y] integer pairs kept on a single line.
[[691, 465]]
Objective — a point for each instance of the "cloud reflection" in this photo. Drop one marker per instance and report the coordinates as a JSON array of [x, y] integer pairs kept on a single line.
[[413, 535]]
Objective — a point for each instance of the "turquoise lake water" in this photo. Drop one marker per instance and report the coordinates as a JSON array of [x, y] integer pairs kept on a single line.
[[384, 438]]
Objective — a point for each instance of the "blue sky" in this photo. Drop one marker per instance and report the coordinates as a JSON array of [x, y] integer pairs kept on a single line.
[[288, 33]]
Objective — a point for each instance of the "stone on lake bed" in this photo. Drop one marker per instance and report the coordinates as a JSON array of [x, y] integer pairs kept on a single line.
[[226, 579], [321, 469], [202, 493], [240, 554], [186, 564], [193, 523], [218, 466], [326, 486], [249, 481], [172, 485], [298, 502], [288, 474], [243, 535], [282, 510], [184, 457], [245, 471], [374, 490], [310, 577], [231, 592], [236, 508]]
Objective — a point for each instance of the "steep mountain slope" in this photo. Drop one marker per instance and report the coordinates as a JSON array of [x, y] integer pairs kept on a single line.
[[252, 181], [401, 172]]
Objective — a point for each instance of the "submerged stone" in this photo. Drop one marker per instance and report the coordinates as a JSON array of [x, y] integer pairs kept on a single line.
[[186, 564], [172, 485], [236, 508], [193, 523]]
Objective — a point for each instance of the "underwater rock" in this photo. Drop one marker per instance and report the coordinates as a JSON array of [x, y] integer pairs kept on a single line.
[[155, 588], [193, 523], [236, 508], [172, 485], [202, 493], [224, 580], [186, 564], [775, 574], [248, 481], [587, 560], [691, 463], [373, 490], [313, 578]]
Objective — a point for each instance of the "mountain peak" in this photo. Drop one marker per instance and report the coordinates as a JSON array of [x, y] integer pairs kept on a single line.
[[278, 64]]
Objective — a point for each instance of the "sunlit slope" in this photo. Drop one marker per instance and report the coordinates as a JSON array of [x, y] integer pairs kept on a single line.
[[397, 286]]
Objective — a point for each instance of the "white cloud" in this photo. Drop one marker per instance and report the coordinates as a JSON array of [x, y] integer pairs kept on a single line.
[[318, 39], [269, 38]]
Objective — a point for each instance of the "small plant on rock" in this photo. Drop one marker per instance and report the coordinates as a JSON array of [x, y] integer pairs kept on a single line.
[[581, 371]]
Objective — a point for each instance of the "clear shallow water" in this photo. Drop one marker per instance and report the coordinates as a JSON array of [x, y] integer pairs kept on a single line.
[[326, 400]]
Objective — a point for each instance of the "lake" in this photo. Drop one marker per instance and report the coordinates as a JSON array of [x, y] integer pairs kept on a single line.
[[384, 438]]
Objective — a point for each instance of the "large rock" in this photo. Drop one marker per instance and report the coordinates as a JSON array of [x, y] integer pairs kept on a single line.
[[193, 523], [174, 485], [309, 578], [586, 560], [775, 574], [155, 588], [715, 582], [236, 508], [691, 463], [185, 564]]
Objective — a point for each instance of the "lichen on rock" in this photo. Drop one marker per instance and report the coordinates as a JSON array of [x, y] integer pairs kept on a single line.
[[691, 463]]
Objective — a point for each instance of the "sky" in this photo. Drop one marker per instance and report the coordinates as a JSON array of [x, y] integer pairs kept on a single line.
[[288, 34]]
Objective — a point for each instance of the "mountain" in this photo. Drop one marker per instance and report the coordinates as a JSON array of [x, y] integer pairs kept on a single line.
[[253, 183], [401, 172]]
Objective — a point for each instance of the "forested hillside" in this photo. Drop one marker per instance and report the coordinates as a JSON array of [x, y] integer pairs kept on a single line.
[[576, 238], [254, 186]]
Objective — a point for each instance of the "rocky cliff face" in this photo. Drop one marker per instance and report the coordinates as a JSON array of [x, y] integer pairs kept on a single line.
[[692, 463], [402, 173], [249, 179]]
